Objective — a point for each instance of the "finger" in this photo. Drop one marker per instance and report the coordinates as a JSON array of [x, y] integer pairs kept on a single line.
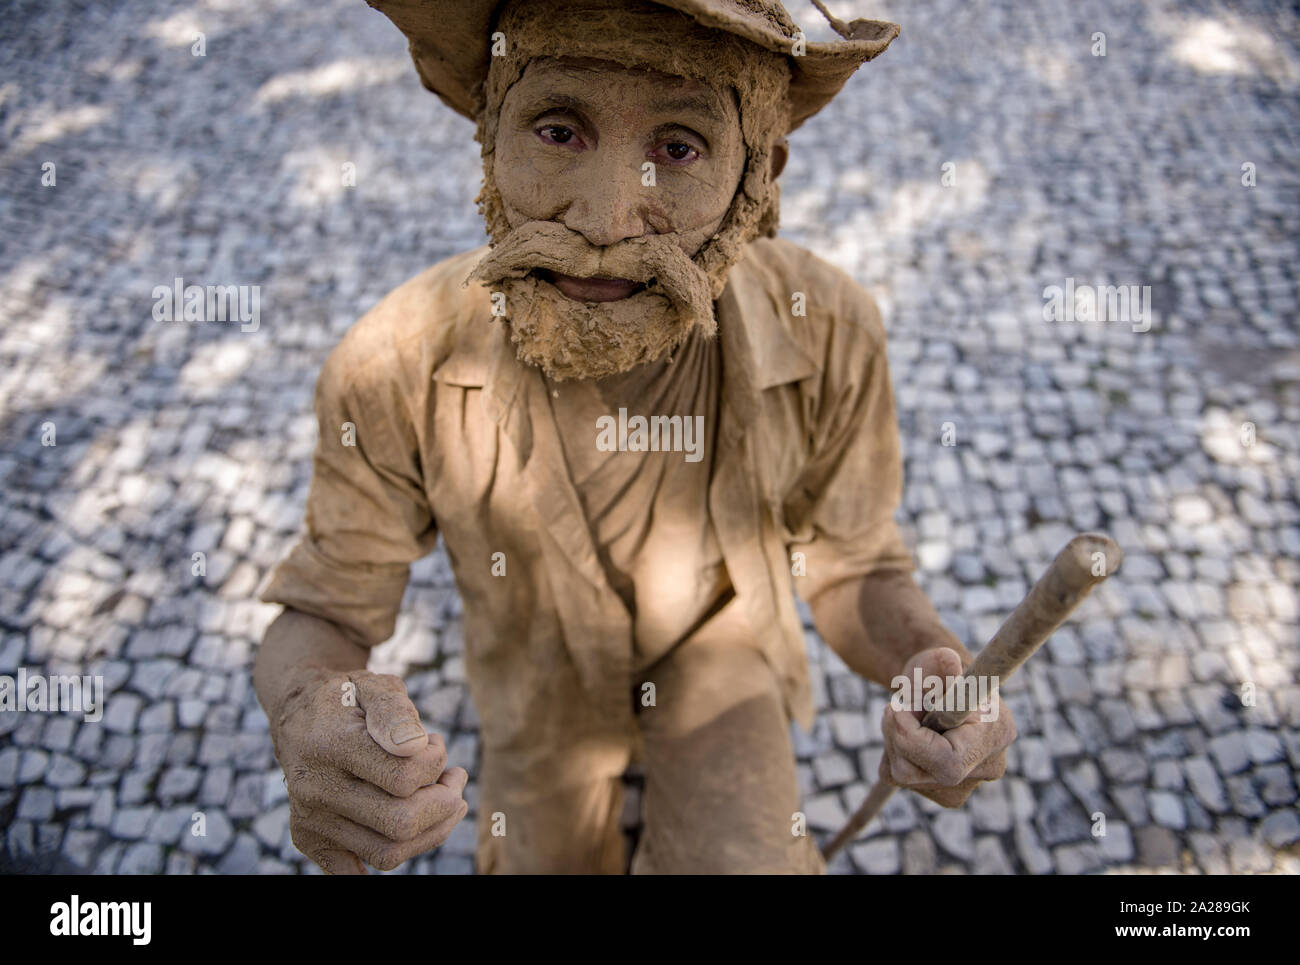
[[920, 755], [976, 741], [376, 850], [899, 771], [991, 769], [948, 757], [396, 818], [907, 775], [455, 778], [391, 718], [331, 859], [904, 738], [351, 748]]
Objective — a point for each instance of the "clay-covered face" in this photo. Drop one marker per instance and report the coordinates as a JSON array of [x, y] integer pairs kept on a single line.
[[573, 142]]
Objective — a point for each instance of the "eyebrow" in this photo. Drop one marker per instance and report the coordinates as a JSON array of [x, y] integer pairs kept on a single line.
[[545, 102], [698, 103]]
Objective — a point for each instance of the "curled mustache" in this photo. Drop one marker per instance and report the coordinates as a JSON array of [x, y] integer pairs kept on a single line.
[[656, 261]]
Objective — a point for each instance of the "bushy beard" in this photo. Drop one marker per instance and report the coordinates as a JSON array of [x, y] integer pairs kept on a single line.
[[569, 339]]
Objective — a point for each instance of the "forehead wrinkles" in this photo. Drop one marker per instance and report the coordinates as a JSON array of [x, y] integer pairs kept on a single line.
[[547, 82]]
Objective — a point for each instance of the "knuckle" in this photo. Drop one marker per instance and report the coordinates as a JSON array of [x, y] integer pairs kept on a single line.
[[298, 777], [437, 749], [453, 776], [438, 756], [449, 807], [308, 796], [402, 781], [951, 774], [403, 824], [303, 837], [443, 833], [317, 790], [299, 812], [405, 786]]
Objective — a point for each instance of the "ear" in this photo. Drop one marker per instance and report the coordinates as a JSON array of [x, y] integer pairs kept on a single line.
[[780, 154]]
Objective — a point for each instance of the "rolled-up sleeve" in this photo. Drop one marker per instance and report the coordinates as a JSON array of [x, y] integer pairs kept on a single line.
[[841, 508], [367, 515]]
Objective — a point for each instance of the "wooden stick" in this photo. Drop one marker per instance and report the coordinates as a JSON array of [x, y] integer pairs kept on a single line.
[[1086, 560]]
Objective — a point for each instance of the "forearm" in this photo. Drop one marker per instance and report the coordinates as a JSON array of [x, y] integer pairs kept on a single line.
[[878, 623], [296, 645]]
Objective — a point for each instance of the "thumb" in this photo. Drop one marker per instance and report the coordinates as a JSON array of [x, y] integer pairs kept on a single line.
[[938, 662], [391, 718], [943, 663]]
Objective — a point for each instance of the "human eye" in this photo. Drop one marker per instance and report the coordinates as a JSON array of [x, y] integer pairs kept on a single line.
[[678, 146], [560, 134], [680, 152], [559, 125]]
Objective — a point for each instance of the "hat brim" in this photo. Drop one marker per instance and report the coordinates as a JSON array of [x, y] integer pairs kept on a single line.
[[450, 43]]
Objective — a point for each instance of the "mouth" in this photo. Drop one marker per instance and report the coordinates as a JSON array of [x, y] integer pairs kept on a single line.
[[592, 289]]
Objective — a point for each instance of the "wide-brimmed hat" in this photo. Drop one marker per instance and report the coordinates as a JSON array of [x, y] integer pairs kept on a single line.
[[451, 44]]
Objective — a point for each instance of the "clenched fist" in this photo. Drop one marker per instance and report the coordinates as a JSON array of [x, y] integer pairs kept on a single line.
[[945, 767], [366, 782]]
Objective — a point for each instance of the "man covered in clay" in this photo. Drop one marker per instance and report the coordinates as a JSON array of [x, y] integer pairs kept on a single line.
[[641, 424]]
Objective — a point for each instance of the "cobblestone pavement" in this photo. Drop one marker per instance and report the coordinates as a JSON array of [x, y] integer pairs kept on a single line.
[[181, 438]]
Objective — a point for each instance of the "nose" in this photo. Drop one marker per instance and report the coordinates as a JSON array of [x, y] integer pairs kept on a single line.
[[609, 206]]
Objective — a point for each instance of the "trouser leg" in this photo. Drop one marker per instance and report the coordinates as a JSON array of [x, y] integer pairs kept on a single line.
[[721, 789], [535, 827]]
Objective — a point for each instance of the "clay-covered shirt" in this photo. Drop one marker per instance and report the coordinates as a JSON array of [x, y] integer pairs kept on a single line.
[[451, 434], [639, 448]]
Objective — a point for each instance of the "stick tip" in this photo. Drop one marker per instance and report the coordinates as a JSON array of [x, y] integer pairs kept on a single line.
[[1092, 557]]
